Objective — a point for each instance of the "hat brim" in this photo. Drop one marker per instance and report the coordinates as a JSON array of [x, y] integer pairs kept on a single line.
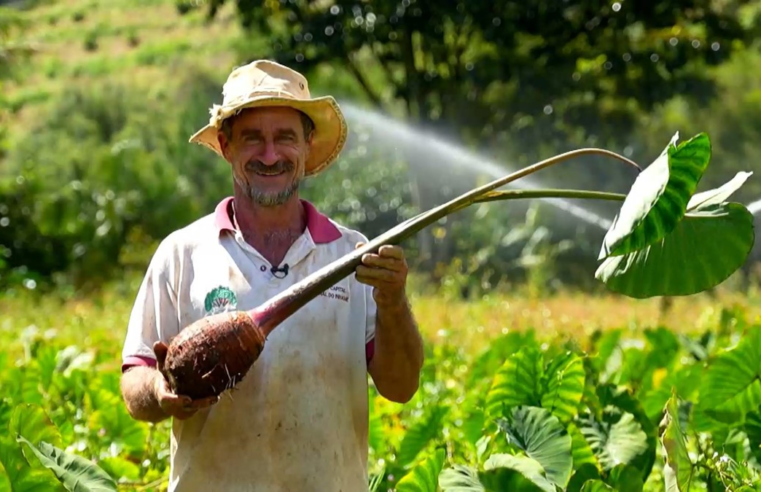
[[329, 135]]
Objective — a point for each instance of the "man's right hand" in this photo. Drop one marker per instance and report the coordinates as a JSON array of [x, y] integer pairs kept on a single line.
[[177, 406]]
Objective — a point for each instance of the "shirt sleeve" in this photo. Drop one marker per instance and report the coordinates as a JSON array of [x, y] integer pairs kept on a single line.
[[154, 313]]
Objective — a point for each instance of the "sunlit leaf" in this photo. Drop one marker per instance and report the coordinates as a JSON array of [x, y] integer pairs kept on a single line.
[[21, 475], [617, 438], [543, 438], [375, 426], [517, 382], [119, 468], [618, 399], [460, 478], [709, 244], [113, 420], [626, 478], [420, 434], [75, 472], [528, 467], [732, 383], [33, 423], [678, 468], [424, 476], [580, 450], [581, 476], [596, 486], [658, 198], [563, 386]]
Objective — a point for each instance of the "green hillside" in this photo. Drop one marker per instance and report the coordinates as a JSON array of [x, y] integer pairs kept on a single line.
[[143, 43]]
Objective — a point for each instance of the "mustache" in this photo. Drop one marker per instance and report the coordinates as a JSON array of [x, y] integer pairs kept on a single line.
[[259, 167]]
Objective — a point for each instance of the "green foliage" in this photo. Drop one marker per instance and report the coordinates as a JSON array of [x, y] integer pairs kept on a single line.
[[32, 457], [62, 388], [661, 220], [658, 198]]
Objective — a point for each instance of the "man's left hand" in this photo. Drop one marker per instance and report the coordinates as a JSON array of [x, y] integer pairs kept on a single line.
[[387, 272]]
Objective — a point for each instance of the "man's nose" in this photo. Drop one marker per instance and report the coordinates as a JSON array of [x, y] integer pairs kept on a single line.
[[269, 155]]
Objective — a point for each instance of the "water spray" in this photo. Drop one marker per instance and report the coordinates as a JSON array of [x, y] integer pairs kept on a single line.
[[401, 132]]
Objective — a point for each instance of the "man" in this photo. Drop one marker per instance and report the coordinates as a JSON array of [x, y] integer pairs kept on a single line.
[[298, 420]]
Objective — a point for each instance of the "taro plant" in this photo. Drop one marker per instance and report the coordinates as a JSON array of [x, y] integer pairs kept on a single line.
[[550, 420], [33, 458]]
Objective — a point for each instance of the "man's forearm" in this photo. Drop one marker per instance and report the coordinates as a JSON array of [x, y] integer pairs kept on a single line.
[[139, 395], [398, 358]]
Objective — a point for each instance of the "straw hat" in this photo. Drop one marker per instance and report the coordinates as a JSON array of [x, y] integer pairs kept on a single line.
[[266, 83]]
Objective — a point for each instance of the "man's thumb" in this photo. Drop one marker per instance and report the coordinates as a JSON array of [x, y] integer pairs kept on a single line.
[[160, 349]]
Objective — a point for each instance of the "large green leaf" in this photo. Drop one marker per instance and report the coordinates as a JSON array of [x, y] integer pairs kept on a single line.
[[624, 400], [752, 429], [420, 434], [581, 476], [658, 198], [678, 469], [732, 385], [615, 439], [111, 415], [626, 478], [543, 438], [528, 467], [24, 472], [75, 472], [686, 380], [518, 382], [563, 386], [22, 476], [596, 486], [711, 242], [524, 381], [33, 423], [461, 478], [580, 450], [424, 477]]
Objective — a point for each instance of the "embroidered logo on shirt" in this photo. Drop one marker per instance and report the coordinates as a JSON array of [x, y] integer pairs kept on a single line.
[[220, 300]]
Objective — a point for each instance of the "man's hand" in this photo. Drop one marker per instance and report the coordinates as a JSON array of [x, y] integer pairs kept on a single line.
[[177, 406], [386, 272], [398, 358]]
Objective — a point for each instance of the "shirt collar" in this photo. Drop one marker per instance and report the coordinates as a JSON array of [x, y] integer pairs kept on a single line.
[[320, 227]]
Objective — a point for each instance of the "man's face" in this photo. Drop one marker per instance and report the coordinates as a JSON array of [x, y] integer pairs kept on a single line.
[[267, 150]]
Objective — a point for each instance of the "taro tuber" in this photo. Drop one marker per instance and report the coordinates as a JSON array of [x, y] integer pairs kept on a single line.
[[213, 354]]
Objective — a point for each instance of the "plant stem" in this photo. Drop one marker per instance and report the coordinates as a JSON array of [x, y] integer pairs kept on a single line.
[[273, 312], [494, 196]]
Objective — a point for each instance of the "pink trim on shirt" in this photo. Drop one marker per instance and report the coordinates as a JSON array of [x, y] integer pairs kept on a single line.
[[370, 350], [320, 227], [137, 360]]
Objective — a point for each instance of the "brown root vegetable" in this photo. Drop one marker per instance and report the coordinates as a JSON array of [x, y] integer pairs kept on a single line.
[[213, 354]]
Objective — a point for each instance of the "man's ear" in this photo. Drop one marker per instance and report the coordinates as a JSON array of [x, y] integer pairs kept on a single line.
[[224, 144]]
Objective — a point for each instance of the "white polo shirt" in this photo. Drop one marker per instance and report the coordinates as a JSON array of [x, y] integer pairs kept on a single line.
[[298, 421]]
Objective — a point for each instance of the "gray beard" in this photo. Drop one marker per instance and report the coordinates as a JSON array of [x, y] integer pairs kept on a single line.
[[270, 199]]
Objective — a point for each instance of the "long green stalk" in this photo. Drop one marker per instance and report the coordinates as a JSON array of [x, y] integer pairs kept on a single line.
[[283, 305], [494, 196]]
